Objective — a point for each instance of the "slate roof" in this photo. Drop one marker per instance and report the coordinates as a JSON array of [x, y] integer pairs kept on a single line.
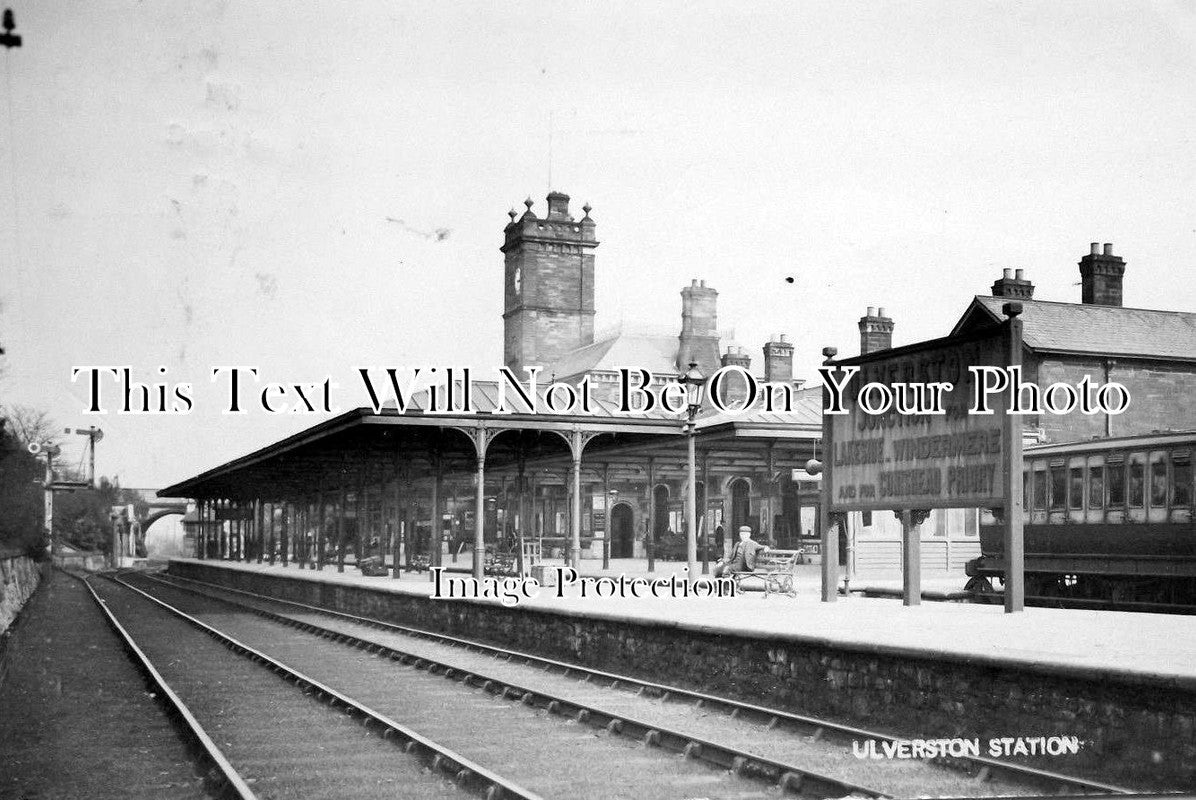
[[806, 407], [806, 410], [655, 353], [1092, 329], [485, 396]]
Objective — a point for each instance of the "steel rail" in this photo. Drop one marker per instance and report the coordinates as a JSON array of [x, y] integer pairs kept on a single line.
[[438, 757], [985, 767], [232, 782], [789, 777]]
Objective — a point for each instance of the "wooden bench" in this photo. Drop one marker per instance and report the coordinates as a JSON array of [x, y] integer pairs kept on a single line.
[[775, 568]]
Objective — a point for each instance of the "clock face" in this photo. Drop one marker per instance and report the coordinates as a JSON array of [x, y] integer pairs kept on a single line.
[[517, 280]]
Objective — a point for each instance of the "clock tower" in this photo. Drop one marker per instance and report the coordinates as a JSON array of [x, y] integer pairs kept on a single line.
[[548, 308]]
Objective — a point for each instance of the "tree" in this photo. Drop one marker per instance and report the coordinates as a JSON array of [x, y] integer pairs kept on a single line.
[[82, 518], [21, 473]]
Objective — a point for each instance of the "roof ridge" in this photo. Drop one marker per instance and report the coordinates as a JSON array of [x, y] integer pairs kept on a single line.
[[1085, 305]]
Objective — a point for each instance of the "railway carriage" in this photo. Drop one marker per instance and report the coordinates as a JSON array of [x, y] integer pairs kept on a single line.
[[1108, 523]]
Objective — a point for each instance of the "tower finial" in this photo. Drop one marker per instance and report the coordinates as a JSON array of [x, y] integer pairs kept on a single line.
[[528, 202], [587, 208], [512, 214]]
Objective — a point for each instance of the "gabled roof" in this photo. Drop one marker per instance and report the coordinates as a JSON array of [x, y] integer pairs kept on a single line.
[[655, 353], [1091, 329], [805, 409]]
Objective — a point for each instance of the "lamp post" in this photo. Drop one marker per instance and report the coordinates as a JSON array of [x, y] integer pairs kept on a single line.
[[695, 385]]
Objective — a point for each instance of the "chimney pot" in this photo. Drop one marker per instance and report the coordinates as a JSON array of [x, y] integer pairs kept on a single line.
[[702, 283], [871, 311], [1008, 273], [1108, 248], [1095, 249], [785, 337], [1019, 274], [880, 312]]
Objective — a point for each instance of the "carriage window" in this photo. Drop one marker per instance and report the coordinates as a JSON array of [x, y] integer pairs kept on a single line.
[[1096, 487], [1075, 488], [1025, 487], [1040, 490], [1136, 480], [1116, 484], [1181, 482], [1158, 484], [1058, 486]]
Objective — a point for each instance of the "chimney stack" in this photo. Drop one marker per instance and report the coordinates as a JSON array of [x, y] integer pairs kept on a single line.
[[736, 356], [778, 359], [876, 331], [734, 388], [1101, 275], [1013, 284], [699, 329], [558, 206]]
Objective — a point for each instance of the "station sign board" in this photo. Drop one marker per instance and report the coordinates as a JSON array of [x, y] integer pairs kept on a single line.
[[894, 460]]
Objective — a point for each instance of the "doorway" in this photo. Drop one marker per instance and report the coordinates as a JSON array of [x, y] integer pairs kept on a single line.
[[622, 537], [741, 507]]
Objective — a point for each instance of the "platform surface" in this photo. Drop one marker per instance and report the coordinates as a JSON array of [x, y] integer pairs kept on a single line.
[[1115, 644]]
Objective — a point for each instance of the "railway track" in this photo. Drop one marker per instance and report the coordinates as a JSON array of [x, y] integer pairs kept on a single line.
[[270, 740], [79, 721], [728, 733], [514, 732]]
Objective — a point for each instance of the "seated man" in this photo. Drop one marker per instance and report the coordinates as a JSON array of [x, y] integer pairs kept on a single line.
[[743, 557]]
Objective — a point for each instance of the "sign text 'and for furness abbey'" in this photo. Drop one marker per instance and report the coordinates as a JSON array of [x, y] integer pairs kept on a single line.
[[921, 427]]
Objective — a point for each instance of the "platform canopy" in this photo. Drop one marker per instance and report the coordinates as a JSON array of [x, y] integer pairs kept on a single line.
[[416, 444]]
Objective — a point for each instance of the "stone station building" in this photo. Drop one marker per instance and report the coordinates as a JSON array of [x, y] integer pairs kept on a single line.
[[610, 485]]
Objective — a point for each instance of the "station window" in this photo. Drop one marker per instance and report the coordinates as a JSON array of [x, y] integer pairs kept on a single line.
[[1058, 486], [1137, 477], [1075, 488], [971, 522], [1158, 484], [1096, 486], [1116, 484], [1181, 481], [1026, 487], [1040, 490], [866, 519]]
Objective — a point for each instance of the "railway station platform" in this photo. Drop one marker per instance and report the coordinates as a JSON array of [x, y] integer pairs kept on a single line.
[[1152, 648], [1124, 683]]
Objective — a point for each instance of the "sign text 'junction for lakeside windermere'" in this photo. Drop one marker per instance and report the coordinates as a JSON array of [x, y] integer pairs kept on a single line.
[[924, 427]]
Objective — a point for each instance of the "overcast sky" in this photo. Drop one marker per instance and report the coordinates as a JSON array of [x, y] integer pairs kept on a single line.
[[312, 187]]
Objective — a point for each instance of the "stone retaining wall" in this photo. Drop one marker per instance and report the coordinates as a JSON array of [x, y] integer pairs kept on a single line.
[[1135, 732], [19, 577]]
